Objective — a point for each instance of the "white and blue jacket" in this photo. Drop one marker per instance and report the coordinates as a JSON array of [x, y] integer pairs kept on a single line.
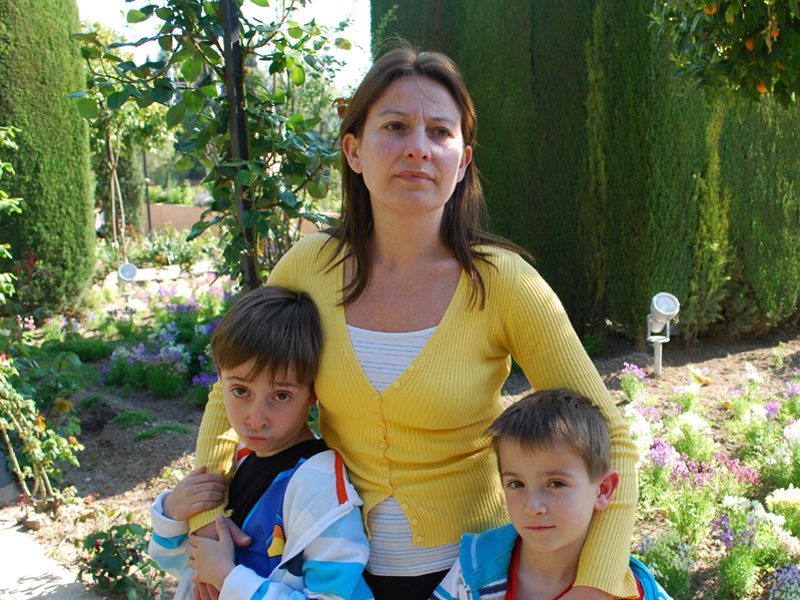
[[481, 571], [324, 552]]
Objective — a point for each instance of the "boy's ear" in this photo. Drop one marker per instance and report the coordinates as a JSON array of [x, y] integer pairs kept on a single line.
[[606, 485]]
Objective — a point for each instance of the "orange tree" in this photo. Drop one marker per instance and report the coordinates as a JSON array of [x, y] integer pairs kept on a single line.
[[749, 46]]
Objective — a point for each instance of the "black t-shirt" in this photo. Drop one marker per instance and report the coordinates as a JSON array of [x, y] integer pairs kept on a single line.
[[256, 474]]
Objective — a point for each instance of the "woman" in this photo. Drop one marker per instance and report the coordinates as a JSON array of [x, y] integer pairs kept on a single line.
[[421, 311]]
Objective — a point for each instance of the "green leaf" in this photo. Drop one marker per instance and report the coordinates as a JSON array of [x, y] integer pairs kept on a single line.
[[210, 90], [317, 190], [296, 32], [264, 3], [85, 37], [175, 114], [144, 101], [77, 95], [195, 102], [165, 41], [342, 43], [90, 52], [191, 69], [298, 75], [279, 97], [246, 177], [207, 162], [296, 119], [211, 8], [87, 107], [184, 164], [117, 99], [164, 13], [136, 16], [182, 54], [795, 10]]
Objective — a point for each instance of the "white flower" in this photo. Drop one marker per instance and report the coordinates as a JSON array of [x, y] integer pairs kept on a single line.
[[751, 374], [755, 414], [792, 432]]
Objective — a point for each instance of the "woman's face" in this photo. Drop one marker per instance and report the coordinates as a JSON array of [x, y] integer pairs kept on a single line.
[[411, 151]]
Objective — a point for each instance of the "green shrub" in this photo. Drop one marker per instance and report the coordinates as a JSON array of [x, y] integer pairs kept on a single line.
[[133, 418], [39, 67], [165, 428], [90, 349]]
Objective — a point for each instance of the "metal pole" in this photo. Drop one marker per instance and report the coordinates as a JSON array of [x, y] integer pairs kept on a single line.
[[147, 191], [234, 84]]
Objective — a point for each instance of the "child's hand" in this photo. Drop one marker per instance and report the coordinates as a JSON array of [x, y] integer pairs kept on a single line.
[[213, 560], [196, 492]]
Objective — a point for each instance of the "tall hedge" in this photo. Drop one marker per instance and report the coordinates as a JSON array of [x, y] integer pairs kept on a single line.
[[615, 175], [39, 67]]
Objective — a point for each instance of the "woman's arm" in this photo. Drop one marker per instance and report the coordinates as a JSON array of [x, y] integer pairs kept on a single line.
[[216, 448], [544, 343]]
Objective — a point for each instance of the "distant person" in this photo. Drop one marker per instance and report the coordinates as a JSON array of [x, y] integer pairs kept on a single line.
[[290, 493], [553, 453], [421, 312]]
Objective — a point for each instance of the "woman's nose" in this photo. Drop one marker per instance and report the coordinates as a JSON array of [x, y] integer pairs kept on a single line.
[[418, 144]]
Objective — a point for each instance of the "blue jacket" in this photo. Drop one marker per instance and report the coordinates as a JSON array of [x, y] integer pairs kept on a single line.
[[481, 572], [319, 550]]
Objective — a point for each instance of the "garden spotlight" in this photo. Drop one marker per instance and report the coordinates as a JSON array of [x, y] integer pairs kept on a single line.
[[126, 274], [663, 308]]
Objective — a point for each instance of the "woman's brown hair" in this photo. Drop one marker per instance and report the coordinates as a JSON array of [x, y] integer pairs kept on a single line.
[[465, 210]]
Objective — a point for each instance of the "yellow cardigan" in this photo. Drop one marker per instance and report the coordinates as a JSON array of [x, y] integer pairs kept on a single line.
[[421, 439]]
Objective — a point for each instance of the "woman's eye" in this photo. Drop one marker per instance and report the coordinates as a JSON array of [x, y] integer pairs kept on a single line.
[[283, 396], [442, 132], [394, 126]]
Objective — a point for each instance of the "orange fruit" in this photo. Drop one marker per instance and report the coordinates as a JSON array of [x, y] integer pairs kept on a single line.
[[710, 11], [761, 87], [726, 404], [774, 32], [781, 67], [750, 44]]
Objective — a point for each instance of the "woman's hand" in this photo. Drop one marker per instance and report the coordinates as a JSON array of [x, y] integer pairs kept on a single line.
[[586, 593]]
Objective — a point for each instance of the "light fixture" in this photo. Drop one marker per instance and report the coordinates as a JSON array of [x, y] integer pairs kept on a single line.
[[126, 274], [663, 308]]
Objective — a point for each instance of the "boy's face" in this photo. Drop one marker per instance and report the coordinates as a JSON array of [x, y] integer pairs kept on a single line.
[[550, 496], [269, 416]]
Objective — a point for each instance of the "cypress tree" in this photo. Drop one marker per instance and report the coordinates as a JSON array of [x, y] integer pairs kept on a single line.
[[39, 67]]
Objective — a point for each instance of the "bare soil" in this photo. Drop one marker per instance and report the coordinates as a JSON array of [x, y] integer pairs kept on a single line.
[[118, 473]]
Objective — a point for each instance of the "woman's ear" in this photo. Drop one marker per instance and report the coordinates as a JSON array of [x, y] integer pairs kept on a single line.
[[606, 485], [350, 148], [466, 158]]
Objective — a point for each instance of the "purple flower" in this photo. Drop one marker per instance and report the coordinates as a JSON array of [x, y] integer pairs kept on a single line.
[[662, 454], [792, 390], [204, 379], [635, 370], [771, 409], [785, 583]]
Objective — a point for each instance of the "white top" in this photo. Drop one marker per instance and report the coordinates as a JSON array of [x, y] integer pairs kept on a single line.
[[383, 356]]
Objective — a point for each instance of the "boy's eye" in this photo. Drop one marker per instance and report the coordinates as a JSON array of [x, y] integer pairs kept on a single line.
[[515, 484], [556, 484], [239, 392], [283, 396]]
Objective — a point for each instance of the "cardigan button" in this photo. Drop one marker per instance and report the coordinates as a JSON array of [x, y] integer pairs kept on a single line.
[[382, 445], [404, 506], [380, 430], [397, 384], [414, 522], [377, 397], [378, 416], [410, 367], [419, 539]]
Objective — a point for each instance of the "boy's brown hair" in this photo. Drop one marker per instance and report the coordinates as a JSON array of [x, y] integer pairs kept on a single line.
[[277, 327], [549, 417]]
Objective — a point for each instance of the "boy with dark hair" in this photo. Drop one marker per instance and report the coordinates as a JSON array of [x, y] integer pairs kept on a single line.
[[289, 493], [553, 451]]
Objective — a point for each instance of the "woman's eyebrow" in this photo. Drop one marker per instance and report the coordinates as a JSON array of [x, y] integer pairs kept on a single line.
[[401, 113]]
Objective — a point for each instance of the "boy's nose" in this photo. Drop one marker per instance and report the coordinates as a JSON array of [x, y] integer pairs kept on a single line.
[[535, 505], [258, 419]]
